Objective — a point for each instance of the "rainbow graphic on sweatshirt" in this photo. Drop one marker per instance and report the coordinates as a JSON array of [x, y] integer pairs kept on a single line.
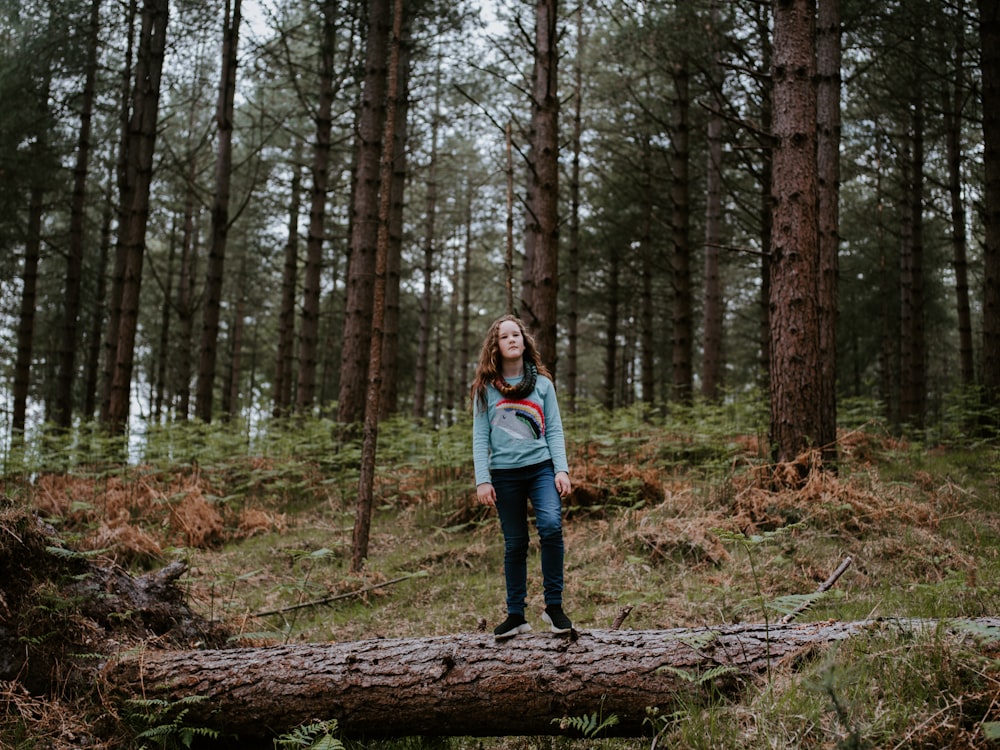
[[524, 420]]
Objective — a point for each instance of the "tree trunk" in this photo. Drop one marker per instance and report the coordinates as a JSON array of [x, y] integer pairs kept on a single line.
[[231, 389], [913, 356], [186, 302], [796, 386], [364, 219], [888, 339], [711, 359], [989, 35], [93, 366], [163, 347], [209, 349], [26, 319], [541, 270], [63, 412], [647, 271], [388, 402], [766, 200], [470, 685], [828, 56], [366, 479], [451, 365], [613, 297], [305, 394], [683, 315], [284, 361], [422, 371], [953, 113], [573, 249], [110, 345], [140, 150]]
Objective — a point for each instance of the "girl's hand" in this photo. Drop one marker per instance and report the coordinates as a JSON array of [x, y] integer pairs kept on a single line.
[[486, 494], [563, 485]]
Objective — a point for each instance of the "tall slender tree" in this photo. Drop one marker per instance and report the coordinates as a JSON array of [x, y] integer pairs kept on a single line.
[[32, 258], [309, 327], [796, 374], [208, 351], [365, 195], [573, 249], [711, 370], [422, 370], [680, 158], [540, 274], [912, 334], [140, 146], [63, 407], [388, 400], [366, 481], [955, 96], [283, 367], [989, 35], [828, 60]]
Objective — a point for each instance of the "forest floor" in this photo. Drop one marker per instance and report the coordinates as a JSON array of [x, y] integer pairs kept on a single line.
[[677, 529]]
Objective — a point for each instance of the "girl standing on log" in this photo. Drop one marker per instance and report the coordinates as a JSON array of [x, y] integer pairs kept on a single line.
[[520, 454]]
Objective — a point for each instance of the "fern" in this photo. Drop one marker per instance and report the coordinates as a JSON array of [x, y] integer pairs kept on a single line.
[[588, 726], [69, 554], [164, 723], [315, 736]]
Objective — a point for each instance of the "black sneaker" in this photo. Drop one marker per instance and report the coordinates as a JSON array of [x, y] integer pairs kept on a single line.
[[513, 625], [555, 617]]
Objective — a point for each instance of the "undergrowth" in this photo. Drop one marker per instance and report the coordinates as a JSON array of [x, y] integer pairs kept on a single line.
[[676, 520]]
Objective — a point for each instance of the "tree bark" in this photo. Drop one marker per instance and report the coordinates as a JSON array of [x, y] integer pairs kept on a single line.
[[110, 346], [364, 219], [468, 684], [912, 334], [683, 314], [541, 268], [209, 350], [954, 104], [711, 368], [795, 363], [63, 411], [388, 402], [140, 149], [163, 348], [309, 327], [422, 371], [613, 298], [285, 359], [93, 365], [573, 249], [989, 35], [29, 273], [766, 200], [366, 479], [828, 56], [647, 272]]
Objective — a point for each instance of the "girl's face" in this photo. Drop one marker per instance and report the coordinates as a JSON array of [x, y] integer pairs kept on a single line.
[[510, 340]]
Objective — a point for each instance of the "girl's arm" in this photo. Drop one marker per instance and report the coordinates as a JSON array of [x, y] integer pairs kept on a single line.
[[481, 443]]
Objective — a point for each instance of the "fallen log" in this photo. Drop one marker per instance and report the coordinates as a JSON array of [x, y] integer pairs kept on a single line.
[[468, 684]]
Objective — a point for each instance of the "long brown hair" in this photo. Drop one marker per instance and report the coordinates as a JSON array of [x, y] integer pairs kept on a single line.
[[491, 361]]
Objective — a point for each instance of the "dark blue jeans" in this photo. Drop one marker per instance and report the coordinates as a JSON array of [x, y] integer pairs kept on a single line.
[[513, 488]]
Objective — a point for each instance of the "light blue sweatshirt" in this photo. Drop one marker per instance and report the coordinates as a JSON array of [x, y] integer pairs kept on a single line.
[[512, 433]]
